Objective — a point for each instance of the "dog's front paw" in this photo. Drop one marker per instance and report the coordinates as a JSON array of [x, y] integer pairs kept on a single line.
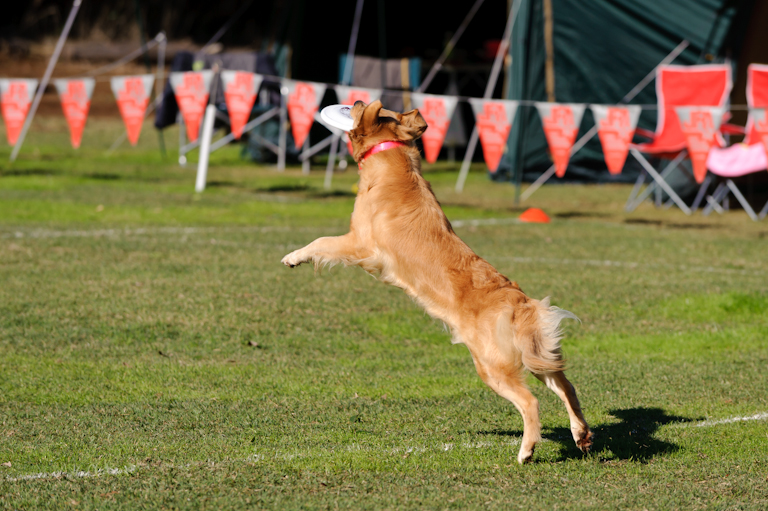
[[293, 259]]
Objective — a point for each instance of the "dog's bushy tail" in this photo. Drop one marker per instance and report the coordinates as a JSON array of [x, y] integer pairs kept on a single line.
[[536, 334]]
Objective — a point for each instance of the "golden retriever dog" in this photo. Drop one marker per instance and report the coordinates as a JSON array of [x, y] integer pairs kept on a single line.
[[399, 233]]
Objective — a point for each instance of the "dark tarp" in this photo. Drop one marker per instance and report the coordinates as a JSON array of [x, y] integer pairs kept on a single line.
[[602, 49]]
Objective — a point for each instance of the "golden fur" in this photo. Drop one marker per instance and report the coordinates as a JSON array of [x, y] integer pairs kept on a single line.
[[399, 232]]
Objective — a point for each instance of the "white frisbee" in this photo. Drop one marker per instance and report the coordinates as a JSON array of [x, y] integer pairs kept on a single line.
[[338, 116]]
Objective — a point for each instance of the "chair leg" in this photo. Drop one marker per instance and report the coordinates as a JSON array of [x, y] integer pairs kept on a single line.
[[713, 201], [630, 206], [660, 180], [657, 199], [641, 196], [763, 212], [739, 197], [702, 191]]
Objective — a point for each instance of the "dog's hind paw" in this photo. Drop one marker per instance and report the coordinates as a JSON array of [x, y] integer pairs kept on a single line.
[[585, 442], [525, 456]]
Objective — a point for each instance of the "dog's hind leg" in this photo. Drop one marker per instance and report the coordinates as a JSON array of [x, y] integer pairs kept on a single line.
[[559, 384], [506, 379]]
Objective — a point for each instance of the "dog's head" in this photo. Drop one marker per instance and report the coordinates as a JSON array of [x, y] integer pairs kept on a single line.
[[374, 124]]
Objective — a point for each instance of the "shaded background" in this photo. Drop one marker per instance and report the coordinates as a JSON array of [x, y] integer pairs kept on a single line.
[[599, 48]]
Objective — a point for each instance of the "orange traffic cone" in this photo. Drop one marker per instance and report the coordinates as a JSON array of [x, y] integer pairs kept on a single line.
[[534, 215]]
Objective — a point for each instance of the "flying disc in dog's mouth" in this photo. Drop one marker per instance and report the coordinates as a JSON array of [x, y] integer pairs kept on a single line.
[[338, 116]]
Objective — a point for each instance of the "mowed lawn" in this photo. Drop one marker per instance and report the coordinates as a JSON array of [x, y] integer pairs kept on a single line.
[[154, 353]]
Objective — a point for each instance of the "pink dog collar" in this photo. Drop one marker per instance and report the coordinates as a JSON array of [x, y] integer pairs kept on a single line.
[[391, 144]]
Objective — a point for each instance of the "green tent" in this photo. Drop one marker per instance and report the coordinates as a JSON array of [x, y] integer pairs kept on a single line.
[[596, 51]]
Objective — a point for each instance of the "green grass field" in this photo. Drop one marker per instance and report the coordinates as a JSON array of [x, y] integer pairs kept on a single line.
[[155, 354]]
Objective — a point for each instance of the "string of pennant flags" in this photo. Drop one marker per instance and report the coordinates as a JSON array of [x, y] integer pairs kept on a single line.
[[616, 124]]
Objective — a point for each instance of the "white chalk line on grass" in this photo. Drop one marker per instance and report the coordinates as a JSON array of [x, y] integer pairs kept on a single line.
[[606, 263], [139, 231], [731, 420], [631, 265], [76, 474], [275, 455], [442, 447]]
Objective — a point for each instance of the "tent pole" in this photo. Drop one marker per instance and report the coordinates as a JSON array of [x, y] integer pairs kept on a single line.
[[591, 133], [549, 65], [438, 65], [46, 77], [490, 86], [347, 79]]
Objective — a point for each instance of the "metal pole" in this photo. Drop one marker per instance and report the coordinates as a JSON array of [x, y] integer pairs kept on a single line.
[[182, 139], [591, 133], [331, 162], [304, 158], [205, 148], [495, 70], [283, 134], [206, 135], [352, 43], [438, 65], [347, 78], [46, 77], [159, 85]]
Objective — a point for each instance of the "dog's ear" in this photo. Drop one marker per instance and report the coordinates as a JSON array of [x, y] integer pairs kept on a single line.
[[357, 113], [370, 115], [412, 126]]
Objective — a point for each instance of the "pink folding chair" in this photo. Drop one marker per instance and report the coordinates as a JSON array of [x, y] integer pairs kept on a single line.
[[705, 85], [745, 158]]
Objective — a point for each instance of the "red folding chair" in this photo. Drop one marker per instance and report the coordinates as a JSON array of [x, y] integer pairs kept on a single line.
[[745, 158], [705, 85]]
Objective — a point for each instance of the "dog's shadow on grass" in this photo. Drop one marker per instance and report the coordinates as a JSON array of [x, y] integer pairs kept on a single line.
[[632, 438]]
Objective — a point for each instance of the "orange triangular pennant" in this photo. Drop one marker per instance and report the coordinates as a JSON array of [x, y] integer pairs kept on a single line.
[[303, 100], [15, 98], [240, 89], [132, 93], [493, 118], [437, 112], [75, 96], [191, 91], [561, 124], [615, 127], [700, 126]]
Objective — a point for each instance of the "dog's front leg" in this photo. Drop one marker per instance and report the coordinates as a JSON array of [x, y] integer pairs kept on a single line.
[[328, 250]]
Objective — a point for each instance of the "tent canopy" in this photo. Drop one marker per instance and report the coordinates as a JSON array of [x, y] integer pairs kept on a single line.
[[600, 50]]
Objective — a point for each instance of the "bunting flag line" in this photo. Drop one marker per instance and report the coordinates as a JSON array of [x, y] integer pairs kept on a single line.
[[191, 91], [615, 128], [15, 98], [700, 125], [240, 90], [760, 126], [303, 100], [437, 112], [132, 93], [493, 118], [348, 95], [75, 96], [561, 125]]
